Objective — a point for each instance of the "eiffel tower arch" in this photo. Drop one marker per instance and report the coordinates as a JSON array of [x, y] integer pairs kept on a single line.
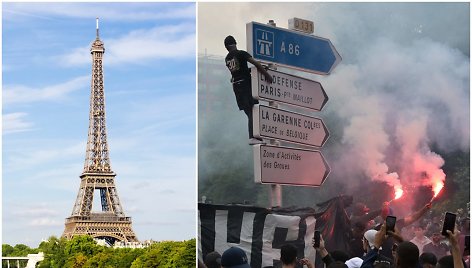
[[110, 223]]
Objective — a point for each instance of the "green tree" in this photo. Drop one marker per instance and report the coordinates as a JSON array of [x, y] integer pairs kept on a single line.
[[54, 255], [114, 258], [84, 244], [76, 261], [7, 250], [168, 254], [186, 256]]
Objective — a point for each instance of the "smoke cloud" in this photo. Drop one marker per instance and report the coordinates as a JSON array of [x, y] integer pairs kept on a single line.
[[398, 101]]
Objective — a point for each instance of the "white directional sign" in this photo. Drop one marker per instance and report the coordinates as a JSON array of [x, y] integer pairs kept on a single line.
[[269, 122], [290, 166], [289, 89]]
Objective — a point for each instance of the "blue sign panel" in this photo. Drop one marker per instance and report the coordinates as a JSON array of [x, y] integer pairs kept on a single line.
[[291, 49]]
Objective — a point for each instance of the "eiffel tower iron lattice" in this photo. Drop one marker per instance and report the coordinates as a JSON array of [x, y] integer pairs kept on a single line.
[[111, 223]]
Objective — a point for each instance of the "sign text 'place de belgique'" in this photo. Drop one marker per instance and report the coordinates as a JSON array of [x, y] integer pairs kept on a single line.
[[291, 49], [288, 89], [269, 122], [290, 166]]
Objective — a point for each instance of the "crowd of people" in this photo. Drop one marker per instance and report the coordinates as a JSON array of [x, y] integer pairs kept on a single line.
[[415, 242]]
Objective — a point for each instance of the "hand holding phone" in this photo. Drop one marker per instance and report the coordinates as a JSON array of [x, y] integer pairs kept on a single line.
[[449, 223], [390, 223]]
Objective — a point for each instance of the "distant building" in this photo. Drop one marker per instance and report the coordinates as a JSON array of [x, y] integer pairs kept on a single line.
[[143, 244]]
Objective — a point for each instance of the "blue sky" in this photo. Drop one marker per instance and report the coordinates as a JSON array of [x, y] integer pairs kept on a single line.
[[149, 66]]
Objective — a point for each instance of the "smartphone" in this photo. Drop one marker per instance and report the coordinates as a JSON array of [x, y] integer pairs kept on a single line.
[[316, 239], [390, 223], [449, 223]]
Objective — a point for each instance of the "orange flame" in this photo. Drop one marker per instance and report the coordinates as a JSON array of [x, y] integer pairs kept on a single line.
[[437, 188], [398, 192]]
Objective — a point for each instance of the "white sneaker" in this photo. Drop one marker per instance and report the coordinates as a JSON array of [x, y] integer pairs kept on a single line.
[[254, 141]]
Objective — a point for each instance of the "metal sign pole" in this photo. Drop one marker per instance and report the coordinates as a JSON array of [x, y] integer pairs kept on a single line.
[[275, 189], [276, 195]]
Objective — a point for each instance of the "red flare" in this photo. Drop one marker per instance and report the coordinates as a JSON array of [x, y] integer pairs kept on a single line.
[[437, 188], [398, 193]]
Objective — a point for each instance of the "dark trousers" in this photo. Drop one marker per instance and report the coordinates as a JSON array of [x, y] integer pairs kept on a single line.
[[248, 112], [242, 91]]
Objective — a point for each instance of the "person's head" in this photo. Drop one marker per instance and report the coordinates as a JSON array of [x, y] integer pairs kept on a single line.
[[288, 254], [436, 237], [368, 239], [213, 260], [419, 231], [428, 260], [432, 228], [230, 42], [234, 257], [407, 255]]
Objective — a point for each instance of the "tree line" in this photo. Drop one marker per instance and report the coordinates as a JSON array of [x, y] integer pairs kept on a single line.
[[84, 252]]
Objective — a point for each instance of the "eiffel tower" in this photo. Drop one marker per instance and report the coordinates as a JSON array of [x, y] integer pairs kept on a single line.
[[110, 223]]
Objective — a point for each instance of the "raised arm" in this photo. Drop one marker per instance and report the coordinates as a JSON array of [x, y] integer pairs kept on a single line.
[[327, 259], [373, 254], [418, 214], [261, 69], [455, 249]]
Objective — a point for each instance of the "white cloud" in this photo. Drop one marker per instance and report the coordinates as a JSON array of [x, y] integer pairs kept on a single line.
[[106, 11], [164, 42], [15, 122], [14, 94], [45, 222], [35, 210], [19, 161]]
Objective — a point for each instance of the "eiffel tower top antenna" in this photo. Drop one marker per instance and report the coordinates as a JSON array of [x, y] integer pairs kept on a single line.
[[97, 29]]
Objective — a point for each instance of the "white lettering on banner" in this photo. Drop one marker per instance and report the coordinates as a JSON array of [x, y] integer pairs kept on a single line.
[[258, 232], [221, 232], [291, 223], [271, 222]]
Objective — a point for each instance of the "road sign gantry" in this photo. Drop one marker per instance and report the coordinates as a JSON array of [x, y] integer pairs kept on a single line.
[[279, 165]]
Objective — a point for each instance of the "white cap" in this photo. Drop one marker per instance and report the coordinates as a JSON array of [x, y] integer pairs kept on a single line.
[[370, 236], [355, 262]]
